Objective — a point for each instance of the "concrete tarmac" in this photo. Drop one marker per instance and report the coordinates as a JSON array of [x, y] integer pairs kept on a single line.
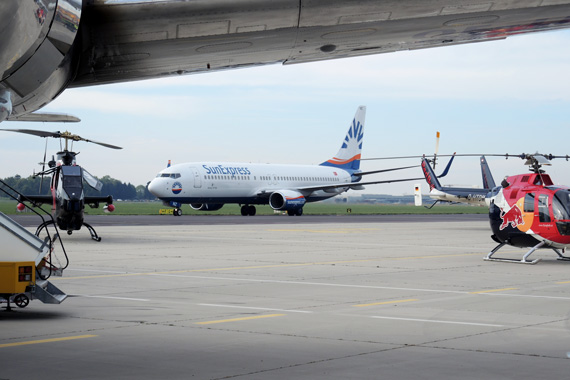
[[295, 299]]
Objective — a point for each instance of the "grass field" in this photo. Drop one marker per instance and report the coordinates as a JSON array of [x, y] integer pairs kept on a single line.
[[319, 208]]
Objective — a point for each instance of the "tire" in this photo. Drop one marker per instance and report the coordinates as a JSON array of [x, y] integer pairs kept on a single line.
[[244, 210], [21, 300], [177, 212], [299, 212], [251, 210]]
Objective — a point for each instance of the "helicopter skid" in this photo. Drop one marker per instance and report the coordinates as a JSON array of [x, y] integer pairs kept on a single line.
[[560, 256], [92, 231], [522, 261], [525, 260], [505, 260]]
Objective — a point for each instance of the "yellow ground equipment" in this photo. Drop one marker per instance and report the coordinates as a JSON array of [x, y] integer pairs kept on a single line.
[[26, 262]]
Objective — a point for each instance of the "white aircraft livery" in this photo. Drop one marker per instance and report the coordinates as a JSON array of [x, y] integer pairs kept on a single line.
[[207, 186]]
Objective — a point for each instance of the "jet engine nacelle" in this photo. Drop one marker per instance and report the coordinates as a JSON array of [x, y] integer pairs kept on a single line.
[[206, 206], [37, 58], [286, 200]]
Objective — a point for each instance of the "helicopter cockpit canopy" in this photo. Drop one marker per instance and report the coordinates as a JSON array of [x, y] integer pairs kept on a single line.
[[561, 205], [72, 181], [92, 181]]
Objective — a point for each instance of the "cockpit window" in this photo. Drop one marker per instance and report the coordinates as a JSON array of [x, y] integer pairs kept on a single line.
[[561, 205], [168, 175]]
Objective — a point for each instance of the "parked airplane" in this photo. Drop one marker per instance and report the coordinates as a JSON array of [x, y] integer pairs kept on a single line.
[[50, 45], [207, 186], [458, 194]]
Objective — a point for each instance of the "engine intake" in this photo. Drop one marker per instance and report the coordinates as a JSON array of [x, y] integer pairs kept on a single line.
[[286, 200]]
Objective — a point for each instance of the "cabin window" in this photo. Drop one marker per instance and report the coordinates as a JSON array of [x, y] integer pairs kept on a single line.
[[543, 214], [529, 202]]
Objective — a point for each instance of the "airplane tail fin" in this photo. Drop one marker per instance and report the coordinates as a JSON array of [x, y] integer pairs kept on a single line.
[[348, 156], [488, 181], [430, 176]]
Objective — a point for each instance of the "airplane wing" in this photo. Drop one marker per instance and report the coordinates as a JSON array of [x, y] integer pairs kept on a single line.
[[360, 174], [332, 187], [73, 43]]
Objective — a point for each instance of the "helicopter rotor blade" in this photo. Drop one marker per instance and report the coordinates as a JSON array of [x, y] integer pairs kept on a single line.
[[102, 144], [43, 168], [436, 149], [35, 132], [64, 135]]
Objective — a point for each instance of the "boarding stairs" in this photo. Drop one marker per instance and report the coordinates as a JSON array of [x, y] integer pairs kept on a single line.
[[20, 245]]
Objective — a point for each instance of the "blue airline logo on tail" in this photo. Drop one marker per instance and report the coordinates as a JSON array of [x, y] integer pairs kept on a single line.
[[354, 135]]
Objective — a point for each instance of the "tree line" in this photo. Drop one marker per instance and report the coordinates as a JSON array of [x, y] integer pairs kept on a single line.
[[37, 186]]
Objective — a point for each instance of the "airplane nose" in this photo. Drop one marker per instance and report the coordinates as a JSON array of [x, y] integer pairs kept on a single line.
[[153, 188]]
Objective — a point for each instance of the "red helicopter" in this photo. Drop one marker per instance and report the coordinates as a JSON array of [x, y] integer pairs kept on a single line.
[[528, 211]]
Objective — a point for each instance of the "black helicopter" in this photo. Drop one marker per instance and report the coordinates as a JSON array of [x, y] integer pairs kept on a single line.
[[67, 197]]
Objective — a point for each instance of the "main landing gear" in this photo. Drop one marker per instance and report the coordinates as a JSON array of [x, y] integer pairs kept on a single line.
[[247, 210], [297, 212], [177, 212]]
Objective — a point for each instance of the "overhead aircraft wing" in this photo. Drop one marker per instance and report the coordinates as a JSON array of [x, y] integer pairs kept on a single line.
[[136, 40], [72, 43]]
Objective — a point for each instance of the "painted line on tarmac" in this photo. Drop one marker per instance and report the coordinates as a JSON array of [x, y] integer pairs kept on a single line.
[[313, 283], [254, 308], [46, 341], [110, 297], [358, 286], [492, 290], [239, 319], [261, 266], [386, 302], [436, 321]]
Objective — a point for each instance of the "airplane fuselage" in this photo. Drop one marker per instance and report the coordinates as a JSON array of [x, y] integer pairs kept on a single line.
[[461, 195], [243, 183]]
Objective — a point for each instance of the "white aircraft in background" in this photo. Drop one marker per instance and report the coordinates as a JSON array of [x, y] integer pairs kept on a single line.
[[207, 186]]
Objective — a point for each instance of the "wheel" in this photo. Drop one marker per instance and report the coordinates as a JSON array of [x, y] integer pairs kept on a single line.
[[21, 300], [251, 210], [290, 212], [177, 212], [244, 210], [299, 212]]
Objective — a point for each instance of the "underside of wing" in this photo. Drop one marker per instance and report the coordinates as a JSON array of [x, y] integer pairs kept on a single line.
[[125, 40]]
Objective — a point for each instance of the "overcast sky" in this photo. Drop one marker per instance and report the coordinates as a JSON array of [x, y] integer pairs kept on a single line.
[[494, 97]]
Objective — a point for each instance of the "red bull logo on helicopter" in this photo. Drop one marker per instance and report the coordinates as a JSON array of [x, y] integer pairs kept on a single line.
[[513, 217]]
